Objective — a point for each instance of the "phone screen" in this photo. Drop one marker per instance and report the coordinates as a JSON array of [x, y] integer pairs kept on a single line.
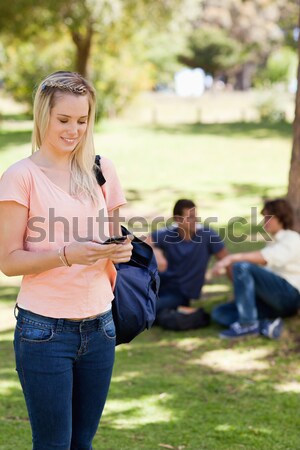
[[115, 240]]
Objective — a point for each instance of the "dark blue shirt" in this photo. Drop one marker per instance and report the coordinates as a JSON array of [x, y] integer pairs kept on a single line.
[[187, 259]]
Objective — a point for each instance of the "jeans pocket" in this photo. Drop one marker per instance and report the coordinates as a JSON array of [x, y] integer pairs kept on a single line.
[[35, 334], [109, 330]]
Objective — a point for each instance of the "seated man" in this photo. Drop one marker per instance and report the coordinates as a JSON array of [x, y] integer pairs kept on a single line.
[[266, 282], [182, 252]]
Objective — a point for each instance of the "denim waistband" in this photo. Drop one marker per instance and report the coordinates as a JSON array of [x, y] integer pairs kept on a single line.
[[63, 324]]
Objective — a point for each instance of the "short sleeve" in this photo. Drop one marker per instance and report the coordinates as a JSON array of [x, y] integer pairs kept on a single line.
[[15, 185], [216, 243], [112, 190], [283, 251], [158, 238]]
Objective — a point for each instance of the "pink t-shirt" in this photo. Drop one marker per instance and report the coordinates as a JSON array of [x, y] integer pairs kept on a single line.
[[55, 218]]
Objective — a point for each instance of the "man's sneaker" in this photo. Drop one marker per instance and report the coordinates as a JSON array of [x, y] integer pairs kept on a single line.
[[272, 328], [237, 330]]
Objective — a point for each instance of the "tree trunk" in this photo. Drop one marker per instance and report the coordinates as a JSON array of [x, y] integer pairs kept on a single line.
[[294, 175], [244, 77], [83, 48]]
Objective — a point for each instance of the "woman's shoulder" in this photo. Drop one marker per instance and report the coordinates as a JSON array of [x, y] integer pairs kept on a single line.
[[108, 168], [16, 182], [19, 168], [106, 164]]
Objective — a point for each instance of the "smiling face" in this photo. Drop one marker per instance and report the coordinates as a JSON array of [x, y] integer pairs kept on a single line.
[[67, 124]]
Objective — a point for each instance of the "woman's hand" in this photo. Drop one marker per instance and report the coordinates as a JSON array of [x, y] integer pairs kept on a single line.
[[87, 253], [122, 252]]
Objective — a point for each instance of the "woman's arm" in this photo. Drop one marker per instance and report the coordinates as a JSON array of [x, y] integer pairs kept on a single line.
[[14, 260]]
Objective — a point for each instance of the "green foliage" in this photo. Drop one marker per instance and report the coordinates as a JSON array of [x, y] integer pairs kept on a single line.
[[25, 66], [212, 50], [281, 67], [289, 20], [161, 54], [255, 28], [108, 41], [117, 80], [270, 111]]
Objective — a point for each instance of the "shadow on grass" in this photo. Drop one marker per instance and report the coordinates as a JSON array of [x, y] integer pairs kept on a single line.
[[256, 193], [8, 293], [14, 137], [252, 189], [256, 130], [174, 388], [20, 117]]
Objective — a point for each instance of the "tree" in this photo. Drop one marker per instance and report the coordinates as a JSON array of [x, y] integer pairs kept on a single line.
[[211, 49], [116, 21], [251, 24], [105, 39], [294, 175]]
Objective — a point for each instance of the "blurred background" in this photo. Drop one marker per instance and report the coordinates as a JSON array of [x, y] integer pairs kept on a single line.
[[174, 48]]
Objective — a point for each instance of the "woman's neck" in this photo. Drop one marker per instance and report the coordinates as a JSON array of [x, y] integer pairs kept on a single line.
[[50, 160]]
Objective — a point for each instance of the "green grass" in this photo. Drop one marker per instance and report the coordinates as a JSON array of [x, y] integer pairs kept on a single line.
[[226, 169], [186, 390]]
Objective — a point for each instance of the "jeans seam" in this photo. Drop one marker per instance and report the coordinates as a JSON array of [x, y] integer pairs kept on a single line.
[[24, 382], [36, 323], [38, 341], [104, 332]]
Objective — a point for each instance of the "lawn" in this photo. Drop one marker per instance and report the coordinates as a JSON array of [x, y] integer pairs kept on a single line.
[[187, 390]]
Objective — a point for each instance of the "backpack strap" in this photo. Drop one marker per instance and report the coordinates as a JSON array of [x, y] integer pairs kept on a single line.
[[98, 172]]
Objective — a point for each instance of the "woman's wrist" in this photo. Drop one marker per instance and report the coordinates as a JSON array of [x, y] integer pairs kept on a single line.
[[62, 256], [67, 260]]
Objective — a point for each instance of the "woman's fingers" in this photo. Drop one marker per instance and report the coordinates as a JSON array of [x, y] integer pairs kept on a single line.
[[89, 252], [122, 253]]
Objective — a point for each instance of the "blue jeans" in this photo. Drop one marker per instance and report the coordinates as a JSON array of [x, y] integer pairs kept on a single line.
[[258, 294], [65, 369]]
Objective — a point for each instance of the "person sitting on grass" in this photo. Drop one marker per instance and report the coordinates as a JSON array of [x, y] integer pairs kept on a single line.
[[183, 251], [266, 282]]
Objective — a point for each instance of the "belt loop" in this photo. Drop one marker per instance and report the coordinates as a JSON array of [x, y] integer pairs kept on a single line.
[[59, 325], [16, 308]]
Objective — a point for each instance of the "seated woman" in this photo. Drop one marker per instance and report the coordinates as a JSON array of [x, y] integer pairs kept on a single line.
[[266, 282]]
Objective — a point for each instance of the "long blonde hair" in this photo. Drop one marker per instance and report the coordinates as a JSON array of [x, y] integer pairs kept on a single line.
[[83, 157]]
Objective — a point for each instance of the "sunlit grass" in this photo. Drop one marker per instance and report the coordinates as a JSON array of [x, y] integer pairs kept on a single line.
[[132, 413], [234, 360], [7, 386]]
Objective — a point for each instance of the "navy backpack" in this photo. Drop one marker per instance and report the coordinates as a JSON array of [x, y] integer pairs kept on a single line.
[[137, 285]]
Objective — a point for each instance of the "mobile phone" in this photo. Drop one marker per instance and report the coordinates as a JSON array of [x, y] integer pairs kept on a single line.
[[114, 240]]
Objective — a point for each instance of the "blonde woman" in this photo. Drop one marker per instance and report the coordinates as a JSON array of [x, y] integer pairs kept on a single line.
[[54, 218]]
